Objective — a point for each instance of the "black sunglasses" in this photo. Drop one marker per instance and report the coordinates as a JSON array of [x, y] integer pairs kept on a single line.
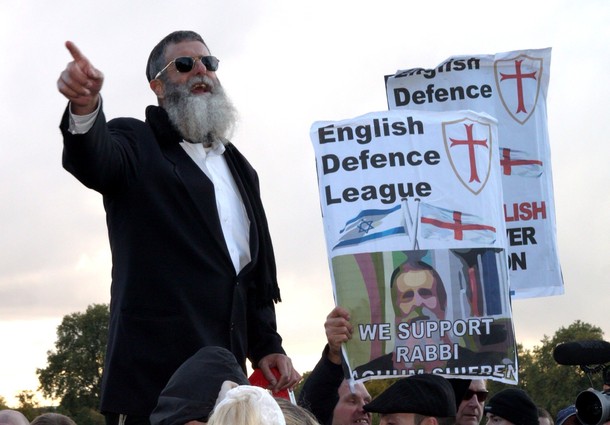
[[481, 395], [186, 64]]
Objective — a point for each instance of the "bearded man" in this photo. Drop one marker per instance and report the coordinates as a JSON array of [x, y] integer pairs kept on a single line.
[[193, 264]]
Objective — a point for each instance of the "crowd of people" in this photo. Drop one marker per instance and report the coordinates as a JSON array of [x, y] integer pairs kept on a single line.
[[194, 278], [211, 388]]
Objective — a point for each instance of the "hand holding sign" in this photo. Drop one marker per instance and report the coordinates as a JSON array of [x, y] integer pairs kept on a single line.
[[338, 330]]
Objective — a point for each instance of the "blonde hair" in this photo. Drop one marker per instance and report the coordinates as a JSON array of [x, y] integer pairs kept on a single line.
[[296, 415], [247, 405]]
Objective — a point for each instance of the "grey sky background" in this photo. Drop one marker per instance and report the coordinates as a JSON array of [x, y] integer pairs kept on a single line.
[[285, 64]]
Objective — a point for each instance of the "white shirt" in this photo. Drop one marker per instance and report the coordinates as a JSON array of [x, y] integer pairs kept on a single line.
[[231, 210]]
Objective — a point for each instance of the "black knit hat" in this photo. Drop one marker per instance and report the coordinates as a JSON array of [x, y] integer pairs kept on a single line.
[[459, 389], [191, 392], [425, 394], [514, 405]]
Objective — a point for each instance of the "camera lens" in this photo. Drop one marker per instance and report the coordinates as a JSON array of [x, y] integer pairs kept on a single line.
[[593, 407]]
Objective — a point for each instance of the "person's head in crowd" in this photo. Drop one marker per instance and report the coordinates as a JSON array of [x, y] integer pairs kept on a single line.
[[544, 417], [52, 419], [13, 417], [418, 292], [511, 406], [352, 397], [294, 414], [247, 405], [470, 401], [567, 416], [424, 399], [192, 391]]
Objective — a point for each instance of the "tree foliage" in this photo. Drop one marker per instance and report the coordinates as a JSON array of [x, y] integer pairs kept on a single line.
[[27, 404], [74, 370], [551, 385]]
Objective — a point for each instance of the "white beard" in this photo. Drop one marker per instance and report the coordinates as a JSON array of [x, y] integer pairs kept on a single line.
[[200, 118]]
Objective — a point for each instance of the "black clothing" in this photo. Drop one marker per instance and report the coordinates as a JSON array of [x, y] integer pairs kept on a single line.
[[174, 287], [320, 393]]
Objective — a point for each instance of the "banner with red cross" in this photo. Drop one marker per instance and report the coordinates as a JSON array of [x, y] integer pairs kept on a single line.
[[413, 218], [511, 87]]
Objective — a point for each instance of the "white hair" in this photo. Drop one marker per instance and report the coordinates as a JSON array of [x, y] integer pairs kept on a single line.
[[247, 405]]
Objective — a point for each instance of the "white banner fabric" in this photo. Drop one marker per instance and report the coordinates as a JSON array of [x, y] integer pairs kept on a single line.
[[412, 211], [512, 87]]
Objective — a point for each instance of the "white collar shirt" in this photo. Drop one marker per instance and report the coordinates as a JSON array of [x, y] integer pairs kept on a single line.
[[231, 210]]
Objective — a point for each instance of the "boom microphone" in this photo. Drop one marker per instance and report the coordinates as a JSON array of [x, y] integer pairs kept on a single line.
[[578, 353]]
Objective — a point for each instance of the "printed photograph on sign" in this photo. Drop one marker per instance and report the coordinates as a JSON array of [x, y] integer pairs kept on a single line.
[[409, 315], [416, 240]]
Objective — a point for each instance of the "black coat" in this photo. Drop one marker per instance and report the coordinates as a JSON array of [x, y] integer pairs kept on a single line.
[[174, 287], [320, 392]]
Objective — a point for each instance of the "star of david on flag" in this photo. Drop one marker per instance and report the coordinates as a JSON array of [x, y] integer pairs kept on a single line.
[[372, 224]]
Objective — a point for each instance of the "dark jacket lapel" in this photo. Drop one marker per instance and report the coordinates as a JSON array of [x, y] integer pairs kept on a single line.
[[198, 185]]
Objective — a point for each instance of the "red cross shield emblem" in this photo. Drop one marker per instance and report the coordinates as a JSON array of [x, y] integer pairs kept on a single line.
[[518, 82], [469, 147]]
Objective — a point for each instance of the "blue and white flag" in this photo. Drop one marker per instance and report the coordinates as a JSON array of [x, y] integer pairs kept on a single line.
[[372, 224]]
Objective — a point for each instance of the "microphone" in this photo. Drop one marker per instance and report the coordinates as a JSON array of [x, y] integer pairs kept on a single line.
[[579, 353]]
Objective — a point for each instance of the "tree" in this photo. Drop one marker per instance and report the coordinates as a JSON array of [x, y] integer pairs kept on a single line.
[[3, 404], [74, 370], [549, 384], [27, 404], [555, 386]]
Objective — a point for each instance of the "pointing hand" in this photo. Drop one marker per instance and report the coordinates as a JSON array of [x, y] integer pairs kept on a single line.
[[80, 82]]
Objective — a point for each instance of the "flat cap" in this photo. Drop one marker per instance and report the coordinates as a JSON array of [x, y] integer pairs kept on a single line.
[[425, 394], [191, 392], [564, 414], [514, 405]]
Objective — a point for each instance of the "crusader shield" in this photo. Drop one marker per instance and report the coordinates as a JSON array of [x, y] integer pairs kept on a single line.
[[518, 82], [469, 147]]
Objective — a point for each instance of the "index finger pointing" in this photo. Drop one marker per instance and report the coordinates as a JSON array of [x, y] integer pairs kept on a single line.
[[75, 52], [83, 63]]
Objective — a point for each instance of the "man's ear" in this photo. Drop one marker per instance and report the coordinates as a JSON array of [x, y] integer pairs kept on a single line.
[[158, 87], [429, 420]]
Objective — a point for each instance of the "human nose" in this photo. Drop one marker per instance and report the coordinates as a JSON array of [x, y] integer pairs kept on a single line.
[[199, 67], [473, 401]]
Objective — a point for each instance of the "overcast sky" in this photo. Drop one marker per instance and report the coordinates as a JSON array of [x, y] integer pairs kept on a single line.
[[285, 64]]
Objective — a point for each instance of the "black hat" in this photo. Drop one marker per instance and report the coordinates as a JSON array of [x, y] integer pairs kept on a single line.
[[191, 392], [425, 394], [514, 405], [564, 414], [459, 389]]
